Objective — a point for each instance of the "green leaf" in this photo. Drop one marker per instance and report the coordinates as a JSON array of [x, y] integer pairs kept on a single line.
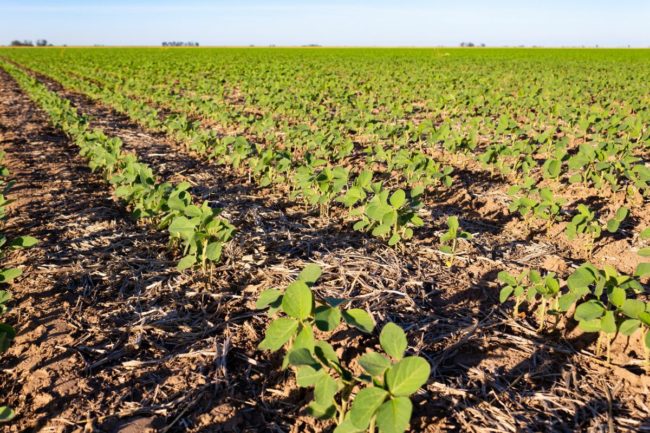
[[213, 251], [505, 293], [581, 277], [347, 427], [327, 318], [307, 376], [646, 340], [360, 319], [452, 223], [645, 318], [612, 226], [24, 242], [629, 327], [642, 270], [394, 239], [608, 323], [5, 297], [310, 274], [594, 325], [365, 404], [621, 214], [633, 307], [575, 178], [359, 225], [374, 363], [394, 415], [645, 233], [182, 227], [305, 339], [7, 334], [589, 310], [6, 414], [417, 191], [269, 298], [552, 168], [278, 333], [298, 300], [8, 275], [417, 222], [566, 301], [186, 262], [381, 230], [393, 340], [407, 376], [617, 297], [321, 411], [376, 212], [301, 356], [506, 278], [644, 252], [389, 219], [325, 389], [398, 199], [334, 302], [325, 352]]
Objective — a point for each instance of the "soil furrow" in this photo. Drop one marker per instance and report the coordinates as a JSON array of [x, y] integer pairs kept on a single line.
[[89, 288]]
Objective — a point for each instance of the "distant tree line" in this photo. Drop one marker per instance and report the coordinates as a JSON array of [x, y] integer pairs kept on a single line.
[[180, 44], [27, 43], [470, 44]]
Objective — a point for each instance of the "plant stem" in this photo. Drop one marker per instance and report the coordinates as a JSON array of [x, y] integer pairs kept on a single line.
[[542, 314], [609, 348]]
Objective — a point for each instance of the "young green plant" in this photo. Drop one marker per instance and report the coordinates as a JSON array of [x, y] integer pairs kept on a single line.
[[378, 397]]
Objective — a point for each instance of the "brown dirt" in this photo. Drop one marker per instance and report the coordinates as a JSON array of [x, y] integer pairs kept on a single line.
[[124, 343]]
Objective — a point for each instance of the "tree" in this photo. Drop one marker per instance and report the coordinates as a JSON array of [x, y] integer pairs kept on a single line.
[[17, 43]]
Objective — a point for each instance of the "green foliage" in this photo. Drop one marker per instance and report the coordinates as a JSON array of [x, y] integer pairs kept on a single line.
[[644, 251], [614, 223], [584, 223], [199, 230], [320, 187], [601, 300], [538, 202], [6, 414], [390, 216], [202, 233], [378, 397], [531, 287], [449, 240]]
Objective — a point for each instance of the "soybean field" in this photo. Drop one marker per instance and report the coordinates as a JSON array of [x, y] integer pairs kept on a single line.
[[324, 240]]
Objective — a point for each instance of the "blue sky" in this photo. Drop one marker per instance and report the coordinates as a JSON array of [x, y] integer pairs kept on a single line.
[[336, 22]]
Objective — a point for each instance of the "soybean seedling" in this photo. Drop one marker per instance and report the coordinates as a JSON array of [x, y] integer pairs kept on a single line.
[[378, 397], [449, 240]]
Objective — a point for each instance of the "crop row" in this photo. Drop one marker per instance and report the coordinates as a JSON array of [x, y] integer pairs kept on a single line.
[[601, 300], [390, 214], [508, 135], [378, 397], [319, 183], [541, 163], [196, 228], [614, 165]]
